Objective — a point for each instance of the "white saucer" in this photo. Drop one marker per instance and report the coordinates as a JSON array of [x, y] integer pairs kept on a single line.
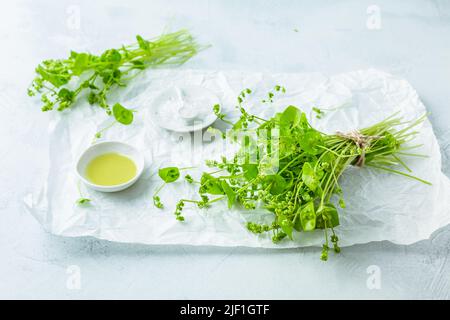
[[185, 109]]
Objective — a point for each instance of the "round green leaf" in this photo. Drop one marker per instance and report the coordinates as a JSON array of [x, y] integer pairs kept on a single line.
[[309, 176], [250, 171], [276, 182], [210, 184], [169, 174], [310, 141], [330, 215], [291, 116], [122, 114]]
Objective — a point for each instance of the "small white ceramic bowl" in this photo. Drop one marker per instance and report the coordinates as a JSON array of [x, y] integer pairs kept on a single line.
[[185, 109], [106, 147]]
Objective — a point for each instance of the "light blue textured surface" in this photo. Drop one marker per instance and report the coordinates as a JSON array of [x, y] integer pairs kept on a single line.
[[273, 36]]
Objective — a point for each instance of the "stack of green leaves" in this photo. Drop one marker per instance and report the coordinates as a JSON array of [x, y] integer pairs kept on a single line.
[[303, 194], [97, 75]]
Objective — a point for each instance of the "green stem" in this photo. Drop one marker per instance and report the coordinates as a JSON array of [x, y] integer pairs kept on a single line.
[[159, 189], [399, 172]]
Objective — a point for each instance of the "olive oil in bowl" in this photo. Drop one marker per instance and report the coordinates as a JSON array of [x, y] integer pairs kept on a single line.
[[110, 166], [111, 169]]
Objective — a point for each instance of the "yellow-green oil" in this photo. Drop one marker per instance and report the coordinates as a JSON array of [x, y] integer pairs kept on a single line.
[[111, 169]]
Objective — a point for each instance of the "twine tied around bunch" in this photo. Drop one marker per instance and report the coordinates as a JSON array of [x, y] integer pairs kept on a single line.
[[361, 141]]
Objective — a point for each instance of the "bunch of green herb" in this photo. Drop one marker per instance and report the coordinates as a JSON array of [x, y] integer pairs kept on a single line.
[[97, 75], [310, 163]]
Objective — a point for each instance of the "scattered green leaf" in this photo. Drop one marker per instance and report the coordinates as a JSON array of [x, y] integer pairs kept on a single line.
[[169, 174], [122, 114]]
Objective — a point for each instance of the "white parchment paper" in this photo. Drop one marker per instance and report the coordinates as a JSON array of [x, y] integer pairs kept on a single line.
[[380, 206]]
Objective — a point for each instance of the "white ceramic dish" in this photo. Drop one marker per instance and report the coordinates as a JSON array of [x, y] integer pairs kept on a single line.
[[185, 109], [106, 147]]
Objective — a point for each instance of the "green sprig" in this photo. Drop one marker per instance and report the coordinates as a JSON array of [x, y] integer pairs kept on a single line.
[[310, 164], [98, 75]]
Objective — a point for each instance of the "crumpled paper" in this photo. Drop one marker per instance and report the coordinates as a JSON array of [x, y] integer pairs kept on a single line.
[[380, 206]]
